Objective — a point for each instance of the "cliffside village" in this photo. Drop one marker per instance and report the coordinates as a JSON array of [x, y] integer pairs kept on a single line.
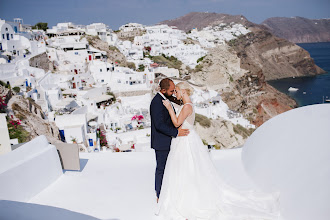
[[94, 101]]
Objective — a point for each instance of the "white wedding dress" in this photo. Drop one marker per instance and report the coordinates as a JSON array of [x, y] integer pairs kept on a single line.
[[193, 190]]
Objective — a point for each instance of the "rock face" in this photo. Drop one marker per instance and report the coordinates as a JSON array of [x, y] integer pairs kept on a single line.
[[299, 30], [5, 93], [243, 90], [41, 61], [200, 20], [33, 119], [113, 54], [222, 133], [219, 67], [275, 57], [240, 69]]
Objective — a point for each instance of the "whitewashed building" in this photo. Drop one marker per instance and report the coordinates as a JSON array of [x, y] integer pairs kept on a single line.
[[73, 127], [18, 45]]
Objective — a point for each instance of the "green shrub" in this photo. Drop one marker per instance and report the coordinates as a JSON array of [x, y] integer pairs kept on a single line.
[[231, 78], [198, 68], [17, 131], [16, 89], [203, 120], [200, 59], [90, 39], [113, 48], [218, 147], [204, 142], [171, 62], [131, 65], [141, 68], [5, 84], [244, 132], [112, 94]]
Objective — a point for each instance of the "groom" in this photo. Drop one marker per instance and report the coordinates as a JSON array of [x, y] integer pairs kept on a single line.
[[162, 129]]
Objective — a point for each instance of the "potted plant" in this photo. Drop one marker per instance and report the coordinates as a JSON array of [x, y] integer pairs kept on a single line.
[[74, 140]]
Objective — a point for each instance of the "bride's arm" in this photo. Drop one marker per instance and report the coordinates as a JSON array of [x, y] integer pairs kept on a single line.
[[185, 112]]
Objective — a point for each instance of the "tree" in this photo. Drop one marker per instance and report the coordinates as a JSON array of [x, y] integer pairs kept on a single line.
[[41, 25], [141, 68]]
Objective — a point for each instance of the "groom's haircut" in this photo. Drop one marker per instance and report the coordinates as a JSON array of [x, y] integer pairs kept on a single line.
[[165, 83]]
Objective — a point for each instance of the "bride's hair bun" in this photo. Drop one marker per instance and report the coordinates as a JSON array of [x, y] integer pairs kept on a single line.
[[187, 87]]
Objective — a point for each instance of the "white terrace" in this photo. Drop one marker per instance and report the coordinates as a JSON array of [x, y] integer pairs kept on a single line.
[[289, 154]]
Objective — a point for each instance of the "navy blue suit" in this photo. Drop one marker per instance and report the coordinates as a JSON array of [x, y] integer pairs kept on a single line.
[[162, 132]]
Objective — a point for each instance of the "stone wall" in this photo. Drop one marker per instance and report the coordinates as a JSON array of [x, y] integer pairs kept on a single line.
[[41, 61]]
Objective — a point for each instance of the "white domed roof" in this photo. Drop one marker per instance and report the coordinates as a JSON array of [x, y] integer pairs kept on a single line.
[[290, 153]]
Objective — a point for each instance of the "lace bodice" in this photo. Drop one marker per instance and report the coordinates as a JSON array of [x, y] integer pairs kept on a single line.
[[189, 122]]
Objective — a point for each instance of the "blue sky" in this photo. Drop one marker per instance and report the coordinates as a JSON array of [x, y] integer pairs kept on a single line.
[[118, 12]]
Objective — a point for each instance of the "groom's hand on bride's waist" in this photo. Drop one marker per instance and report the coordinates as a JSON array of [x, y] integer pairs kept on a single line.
[[183, 132]]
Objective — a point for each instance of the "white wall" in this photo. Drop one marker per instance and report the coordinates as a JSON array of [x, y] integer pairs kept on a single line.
[[4, 135], [28, 170], [77, 132], [290, 153]]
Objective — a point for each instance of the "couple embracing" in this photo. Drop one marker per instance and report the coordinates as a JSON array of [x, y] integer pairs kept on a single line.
[[187, 184]]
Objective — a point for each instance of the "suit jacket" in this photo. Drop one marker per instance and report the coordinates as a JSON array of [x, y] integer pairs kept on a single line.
[[162, 128]]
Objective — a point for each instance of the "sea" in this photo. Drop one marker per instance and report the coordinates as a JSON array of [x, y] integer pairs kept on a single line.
[[312, 89]]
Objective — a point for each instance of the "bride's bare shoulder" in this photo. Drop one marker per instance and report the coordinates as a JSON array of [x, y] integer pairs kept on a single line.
[[187, 108]]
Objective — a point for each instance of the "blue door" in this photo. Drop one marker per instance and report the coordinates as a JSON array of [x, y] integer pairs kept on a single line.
[[62, 135], [90, 142]]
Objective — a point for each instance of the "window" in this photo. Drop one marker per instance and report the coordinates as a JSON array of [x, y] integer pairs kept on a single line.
[[3, 36], [102, 80], [12, 36], [6, 29], [100, 70]]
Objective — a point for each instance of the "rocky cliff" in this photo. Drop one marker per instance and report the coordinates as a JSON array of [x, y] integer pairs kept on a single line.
[[243, 90], [200, 20], [32, 119], [240, 69], [113, 53], [41, 61], [277, 58], [299, 30]]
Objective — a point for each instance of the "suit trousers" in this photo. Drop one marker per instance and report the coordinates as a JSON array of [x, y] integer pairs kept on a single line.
[[161, 158]]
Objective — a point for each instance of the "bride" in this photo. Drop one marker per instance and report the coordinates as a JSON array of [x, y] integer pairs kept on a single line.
[[192, 188]]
